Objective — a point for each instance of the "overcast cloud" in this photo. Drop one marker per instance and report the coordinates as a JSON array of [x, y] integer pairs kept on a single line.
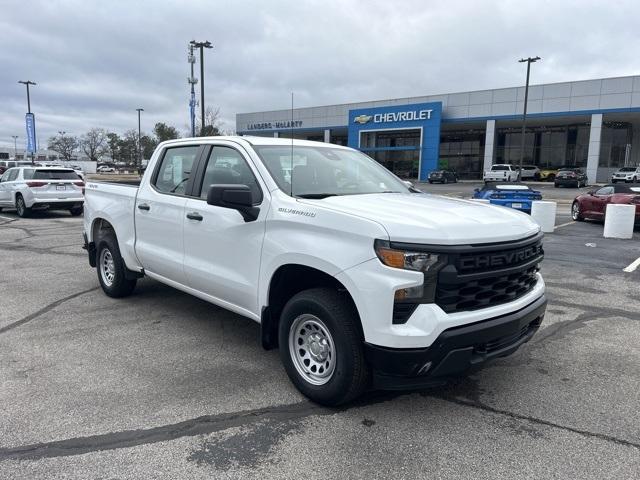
[[96, 62]]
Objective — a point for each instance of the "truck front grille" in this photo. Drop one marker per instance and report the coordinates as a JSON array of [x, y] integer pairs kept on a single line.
[[485, 276]]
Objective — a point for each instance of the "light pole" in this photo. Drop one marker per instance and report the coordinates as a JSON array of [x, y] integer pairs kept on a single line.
[[192, 100], [139, 110], [201, 46], [32, 135], [529, 61], [15, 146]]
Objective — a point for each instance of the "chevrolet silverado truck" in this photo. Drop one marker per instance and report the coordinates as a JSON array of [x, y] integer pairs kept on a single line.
[[360, 280], [501, 173]]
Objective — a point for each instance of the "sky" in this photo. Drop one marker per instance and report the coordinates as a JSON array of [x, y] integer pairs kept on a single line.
[[95, 62]]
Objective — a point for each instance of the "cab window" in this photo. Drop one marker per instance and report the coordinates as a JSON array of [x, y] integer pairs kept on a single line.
[[13, 174], [175, 170], [227, 166]]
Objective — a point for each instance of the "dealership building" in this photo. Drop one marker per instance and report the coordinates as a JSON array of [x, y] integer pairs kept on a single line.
[[593, 124]]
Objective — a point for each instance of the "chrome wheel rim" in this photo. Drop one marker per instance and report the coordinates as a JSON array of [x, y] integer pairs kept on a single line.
[[107, 267], [312, 349], [575, 211], [20, 206]]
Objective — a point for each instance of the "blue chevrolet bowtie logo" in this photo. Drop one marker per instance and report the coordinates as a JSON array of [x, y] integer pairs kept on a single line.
[[362, 119]]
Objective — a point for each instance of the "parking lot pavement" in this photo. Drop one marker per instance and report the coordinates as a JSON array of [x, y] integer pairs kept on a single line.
[[163, 385]]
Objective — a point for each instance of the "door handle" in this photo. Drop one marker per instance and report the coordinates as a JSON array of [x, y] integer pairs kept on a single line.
[[144, 206], [194, 216]]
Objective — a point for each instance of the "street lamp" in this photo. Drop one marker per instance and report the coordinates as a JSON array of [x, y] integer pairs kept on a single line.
[[529, 61], [139, 110], [201, 46], [15, 146], [31, 136]]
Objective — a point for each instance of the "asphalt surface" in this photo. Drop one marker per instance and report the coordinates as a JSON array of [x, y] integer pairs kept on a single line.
[[163, 385]]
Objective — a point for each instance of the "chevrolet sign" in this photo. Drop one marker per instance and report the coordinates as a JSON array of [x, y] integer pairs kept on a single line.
[[362, 119], [389, 117]]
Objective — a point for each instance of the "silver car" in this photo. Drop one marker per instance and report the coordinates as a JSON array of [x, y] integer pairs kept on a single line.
[[40, 188]]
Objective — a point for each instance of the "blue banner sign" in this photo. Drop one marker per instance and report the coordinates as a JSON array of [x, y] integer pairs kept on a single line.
[[30, 119]]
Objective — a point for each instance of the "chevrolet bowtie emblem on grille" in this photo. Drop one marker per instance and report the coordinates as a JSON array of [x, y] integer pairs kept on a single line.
[[362, 119]]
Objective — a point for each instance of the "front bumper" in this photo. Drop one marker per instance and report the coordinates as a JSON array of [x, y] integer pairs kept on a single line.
[[455, 351]]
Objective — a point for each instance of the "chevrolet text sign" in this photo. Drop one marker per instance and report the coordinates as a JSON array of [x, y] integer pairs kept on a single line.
[[408, 116]]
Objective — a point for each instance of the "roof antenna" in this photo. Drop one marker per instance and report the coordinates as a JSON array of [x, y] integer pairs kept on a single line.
[[291, 132]]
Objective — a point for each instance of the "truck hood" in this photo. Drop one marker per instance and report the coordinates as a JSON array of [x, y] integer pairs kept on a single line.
[[432, 219]]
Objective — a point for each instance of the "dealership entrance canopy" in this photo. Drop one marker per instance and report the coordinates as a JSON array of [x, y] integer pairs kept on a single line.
[[593, 124]]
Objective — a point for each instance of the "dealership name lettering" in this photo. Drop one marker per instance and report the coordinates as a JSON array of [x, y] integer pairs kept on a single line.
[[402, 116], [272, 125]]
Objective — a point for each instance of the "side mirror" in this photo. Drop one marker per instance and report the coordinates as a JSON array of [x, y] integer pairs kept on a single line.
[[591, 192], [408, 183], [236, 197], [476, 190]]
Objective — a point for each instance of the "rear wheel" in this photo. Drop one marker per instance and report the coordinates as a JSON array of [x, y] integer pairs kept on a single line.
[[576, 214], [76, 211], [321, 346], [111, 269], [21, 208]]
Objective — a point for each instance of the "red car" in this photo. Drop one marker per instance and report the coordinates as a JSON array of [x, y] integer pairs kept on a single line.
[[593, 205]]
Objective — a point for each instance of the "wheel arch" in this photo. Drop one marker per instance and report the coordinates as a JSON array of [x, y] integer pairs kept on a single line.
[[288, 280]]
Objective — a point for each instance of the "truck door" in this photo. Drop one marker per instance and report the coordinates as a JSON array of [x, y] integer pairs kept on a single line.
[[159, 213], [222, 251]]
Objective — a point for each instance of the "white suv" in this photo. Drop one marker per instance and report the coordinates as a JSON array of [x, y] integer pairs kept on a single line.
[[626, 174], [40, 188]]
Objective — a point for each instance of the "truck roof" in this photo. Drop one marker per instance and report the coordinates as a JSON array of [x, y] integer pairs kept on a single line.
[[253, 140]]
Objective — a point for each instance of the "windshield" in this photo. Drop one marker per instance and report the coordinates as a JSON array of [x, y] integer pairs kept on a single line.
[[318, 172], [628, 169], [499, 168], [512, 187]]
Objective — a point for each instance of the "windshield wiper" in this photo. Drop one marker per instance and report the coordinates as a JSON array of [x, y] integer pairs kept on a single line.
[[317, 195]]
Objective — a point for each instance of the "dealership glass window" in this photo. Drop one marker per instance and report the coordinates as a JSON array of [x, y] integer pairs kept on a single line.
[[462, 151], [404, 163], [390, 139], [545, 146], [615, 144]]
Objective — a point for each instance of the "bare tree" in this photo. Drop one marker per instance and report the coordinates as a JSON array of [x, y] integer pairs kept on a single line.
[[65, 145], [212, 122], [93, 143]]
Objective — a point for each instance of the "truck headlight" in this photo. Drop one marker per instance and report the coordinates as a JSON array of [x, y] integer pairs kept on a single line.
[[408, 260], [426, 262]]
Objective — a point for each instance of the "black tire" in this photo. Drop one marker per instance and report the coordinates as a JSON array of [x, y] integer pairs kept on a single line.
[[556, 185], [120, 285], [21, 208], [551, 177], [350, 373], [76, 211], [576, 214], [430, 181]]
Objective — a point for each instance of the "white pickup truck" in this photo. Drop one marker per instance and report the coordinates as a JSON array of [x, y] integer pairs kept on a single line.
[[359, 279], [501, 173]]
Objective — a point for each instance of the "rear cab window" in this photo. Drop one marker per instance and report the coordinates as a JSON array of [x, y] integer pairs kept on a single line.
[[175, 170]]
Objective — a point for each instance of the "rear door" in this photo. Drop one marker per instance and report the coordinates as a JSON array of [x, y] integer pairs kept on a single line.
[[222, 251], [159, 213]]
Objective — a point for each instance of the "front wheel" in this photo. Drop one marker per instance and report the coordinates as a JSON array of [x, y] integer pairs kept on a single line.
[[321, 346], [21, 207], [576, 214], [111, 269]]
